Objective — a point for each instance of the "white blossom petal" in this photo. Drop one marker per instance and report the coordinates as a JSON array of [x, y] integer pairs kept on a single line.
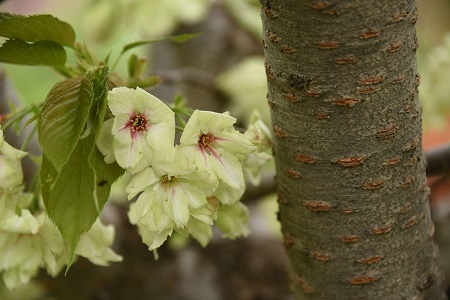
[[232, 220], [140, 181], [105, 141]]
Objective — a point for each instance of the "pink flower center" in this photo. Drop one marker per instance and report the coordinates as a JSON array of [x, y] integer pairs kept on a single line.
[[205, 140]]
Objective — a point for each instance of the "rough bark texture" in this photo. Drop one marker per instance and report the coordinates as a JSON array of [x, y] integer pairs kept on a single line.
[[351, 172]]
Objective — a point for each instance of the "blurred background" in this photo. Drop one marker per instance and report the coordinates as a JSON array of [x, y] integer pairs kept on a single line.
[[222, 69]]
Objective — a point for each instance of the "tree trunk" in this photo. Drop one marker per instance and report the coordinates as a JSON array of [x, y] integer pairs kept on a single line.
[[351, 172]]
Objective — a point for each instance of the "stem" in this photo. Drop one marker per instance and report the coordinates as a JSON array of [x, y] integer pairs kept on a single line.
[[13, 117], [64, 71], [28, 138]]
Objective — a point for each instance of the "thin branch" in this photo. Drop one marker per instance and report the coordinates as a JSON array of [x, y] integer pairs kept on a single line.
[[438, 160], [186, 75], [267, 186]]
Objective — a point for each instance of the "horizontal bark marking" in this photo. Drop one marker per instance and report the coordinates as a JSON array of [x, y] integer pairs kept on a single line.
[[408, 181], [291, 97], [360, 280], [368, 90], [387, 131], [373, 185], [371, 259], [304, 158], [351, 161], [318, 206], [322, 256], [292, 173], [398, 79], [272, 37], [347, 59], [313, 92], [328, 45], [349, 102], [382, 229], [369, 33], [350, 239], [371, 79], [410, 223], [279, 132], [347, 210], [405, 208], [287, 49], [307, 288], [394, 47], [320, 5], [399, 16]]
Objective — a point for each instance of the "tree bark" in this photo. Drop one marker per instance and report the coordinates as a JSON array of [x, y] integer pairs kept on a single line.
[[342, 81]]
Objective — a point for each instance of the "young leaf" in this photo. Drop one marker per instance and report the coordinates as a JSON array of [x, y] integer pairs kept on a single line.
[[100, 99], [36, 28], [69, 203], [63, 118], [99, 102], [40, 53]]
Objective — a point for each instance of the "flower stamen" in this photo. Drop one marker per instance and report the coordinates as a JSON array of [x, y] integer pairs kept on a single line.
[[205, 140], [138, 123], [167, 181]]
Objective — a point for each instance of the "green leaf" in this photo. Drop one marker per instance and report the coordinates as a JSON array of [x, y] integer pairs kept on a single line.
[[69, 202], [40, 53], [75, 197], [105, 176], [36, 28], [175, 38], [63, 118], [48, 176]]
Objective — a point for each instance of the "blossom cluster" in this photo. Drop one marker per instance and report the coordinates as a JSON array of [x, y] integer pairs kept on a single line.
[[189, 186], [28, 239]]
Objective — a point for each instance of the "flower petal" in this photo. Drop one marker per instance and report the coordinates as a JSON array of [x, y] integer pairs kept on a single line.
[[202, 232], [26, 223], [228, 195], [232, 220], [209, 121], [204, 122], [128, 155], [178, 206], [95, 245], [11, 174], [121, 100], [227, 168], [153, 239], [233, 142], [140, 181], [105, 141]]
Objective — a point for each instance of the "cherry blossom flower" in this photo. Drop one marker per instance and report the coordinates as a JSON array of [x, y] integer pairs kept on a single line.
[[10, 167], [210, 140], [173, 191], [142, 125], [95, 245], [259, 135], [232, 220], [27, 248]]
